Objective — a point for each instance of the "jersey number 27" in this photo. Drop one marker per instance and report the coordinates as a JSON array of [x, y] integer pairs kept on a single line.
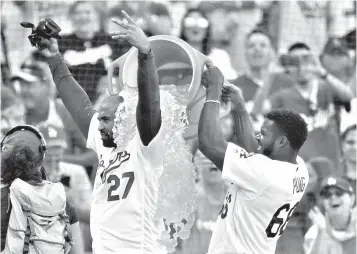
[[116, 180], [276, 220]]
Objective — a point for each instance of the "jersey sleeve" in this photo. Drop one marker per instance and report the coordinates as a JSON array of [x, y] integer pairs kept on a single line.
[[246, 170], [154, 151], [93, 134]]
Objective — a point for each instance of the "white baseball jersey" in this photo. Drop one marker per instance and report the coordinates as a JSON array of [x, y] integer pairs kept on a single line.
[[259, 202], [125, 194]]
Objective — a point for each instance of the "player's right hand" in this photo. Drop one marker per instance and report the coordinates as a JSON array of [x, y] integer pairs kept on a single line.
[[132, 33], [212, 78], [51, 47]]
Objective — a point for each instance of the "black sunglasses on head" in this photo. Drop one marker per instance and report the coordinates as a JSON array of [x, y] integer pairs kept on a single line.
[[328, 193]]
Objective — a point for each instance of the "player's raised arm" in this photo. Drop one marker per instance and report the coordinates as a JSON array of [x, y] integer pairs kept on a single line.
[[72, 94], [243, 129], [210, 136], [148, 113]]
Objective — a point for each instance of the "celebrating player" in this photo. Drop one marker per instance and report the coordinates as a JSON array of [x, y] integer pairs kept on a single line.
[[266, 186], [125, 188]]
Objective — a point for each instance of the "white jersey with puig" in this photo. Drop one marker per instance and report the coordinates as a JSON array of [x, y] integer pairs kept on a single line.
[[125, 194], [259, 202]]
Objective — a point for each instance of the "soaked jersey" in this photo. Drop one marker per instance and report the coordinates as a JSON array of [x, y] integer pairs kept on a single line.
[[259, 202], [125, 193]]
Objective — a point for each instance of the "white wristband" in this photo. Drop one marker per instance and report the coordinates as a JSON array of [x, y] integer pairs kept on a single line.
[[212, 101]]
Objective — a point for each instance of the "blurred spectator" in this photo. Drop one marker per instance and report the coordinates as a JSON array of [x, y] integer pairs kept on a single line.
[[196, 31], [12, 110], [269, 22], [88, 50], [339, 60], [5, 67], [211, 192], [224, 27], [33, 82], [153, 17], [319, 168], [223, 16], [350, 39], [259, 54], [314, 96], [336, 59], [322, 167], [334, 232], [339, 63], [74, 177], [348, 139], [348, 118], [159, 19]]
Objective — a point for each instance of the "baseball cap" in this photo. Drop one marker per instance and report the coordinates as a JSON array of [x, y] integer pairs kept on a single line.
[[335, 46], [337, 182], [30, 72], [54, 135]]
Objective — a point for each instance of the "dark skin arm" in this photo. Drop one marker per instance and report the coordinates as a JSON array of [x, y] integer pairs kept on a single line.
[[77, 101], [72, 94], [210, 136], [243, 129], [148, 112]]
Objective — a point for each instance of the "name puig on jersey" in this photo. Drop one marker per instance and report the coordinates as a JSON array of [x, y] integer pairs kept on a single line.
[[299, 184]]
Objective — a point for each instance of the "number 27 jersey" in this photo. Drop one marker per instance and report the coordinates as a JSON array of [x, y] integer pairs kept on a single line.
[[259, 202], [124, 195]]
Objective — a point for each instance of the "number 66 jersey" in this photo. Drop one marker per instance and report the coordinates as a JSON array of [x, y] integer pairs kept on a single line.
[[262, 196], [125, 194]]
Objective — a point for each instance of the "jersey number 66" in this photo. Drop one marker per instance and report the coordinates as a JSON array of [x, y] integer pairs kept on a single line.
[[279, 221]]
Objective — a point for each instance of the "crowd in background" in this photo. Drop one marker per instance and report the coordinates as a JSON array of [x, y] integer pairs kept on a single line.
[[322, 87]]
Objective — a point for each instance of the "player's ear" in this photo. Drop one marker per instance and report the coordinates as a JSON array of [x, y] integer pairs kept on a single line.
[[283, 141]]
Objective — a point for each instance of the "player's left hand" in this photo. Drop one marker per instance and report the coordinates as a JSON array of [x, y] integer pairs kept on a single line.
[[317, 217], [234, 94], [132, 33]]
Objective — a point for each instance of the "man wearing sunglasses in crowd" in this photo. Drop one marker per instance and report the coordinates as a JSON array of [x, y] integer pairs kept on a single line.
[[335, 230], [314, 96]]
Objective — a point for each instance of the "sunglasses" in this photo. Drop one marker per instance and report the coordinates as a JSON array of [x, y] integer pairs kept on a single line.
[[195, 22], [297, 61], [328, 193]]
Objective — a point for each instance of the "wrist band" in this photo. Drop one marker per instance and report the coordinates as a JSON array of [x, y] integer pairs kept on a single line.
[[212, 101]]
